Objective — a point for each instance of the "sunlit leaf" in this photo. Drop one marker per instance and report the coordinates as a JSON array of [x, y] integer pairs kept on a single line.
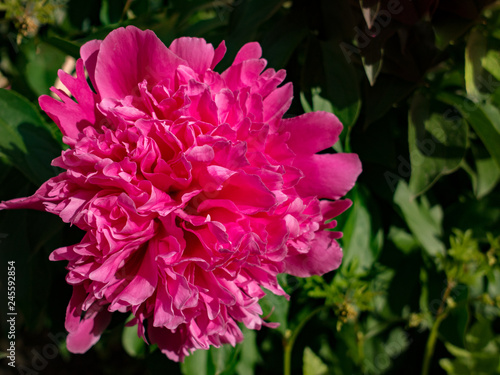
[[419, 220], [437, 144], [313, 365]]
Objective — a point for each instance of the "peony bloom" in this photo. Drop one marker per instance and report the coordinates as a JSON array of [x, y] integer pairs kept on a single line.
[[193, 191]]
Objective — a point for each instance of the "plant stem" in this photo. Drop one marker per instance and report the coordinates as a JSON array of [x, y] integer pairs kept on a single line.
[[289, 341], [440, 315], [431, 343]]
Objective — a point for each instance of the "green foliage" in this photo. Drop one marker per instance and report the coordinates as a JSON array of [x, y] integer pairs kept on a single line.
[[418, 91]]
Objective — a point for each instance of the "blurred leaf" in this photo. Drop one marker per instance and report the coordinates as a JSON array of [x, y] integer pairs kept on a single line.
[[419, 220], [25, 139], [275, 309], [331, 85], [477, 116], [403, 240], [196, 363], [436, 144], [381, 97], [65, 46], [245, 18], [452, 329], [280, 42], [249, 354], [132, 343], [223, 360], [342, 84], [491, 62], [44, 60], [479, 335], [488, 172], [362, 236], [313, 365]]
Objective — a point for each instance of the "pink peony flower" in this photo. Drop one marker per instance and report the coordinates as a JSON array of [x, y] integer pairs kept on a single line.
[[193, 190]]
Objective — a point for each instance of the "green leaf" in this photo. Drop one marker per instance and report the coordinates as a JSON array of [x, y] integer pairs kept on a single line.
[[330, 83], [491, 62], [249, 354], [65, 46], [479, 336], [488, 172], [132, 343], [25, 139], [474, 53], [196, 363], [419, 219], [313, 365], [44, 60], [453, 328], [362, 236], [342, 84], [437, 144], [275, 308], [478, 116]]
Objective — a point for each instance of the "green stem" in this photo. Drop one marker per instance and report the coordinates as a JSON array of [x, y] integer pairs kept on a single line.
[[431, 343], [289, 341]]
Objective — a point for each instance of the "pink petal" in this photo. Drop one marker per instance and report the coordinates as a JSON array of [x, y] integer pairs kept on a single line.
[[327, 175], [312, 132], [325, 255], [197, 52], [70, 116], [128, 56], [83, 333], [249, 51], [277, 103], [89, 52], [219, 53]]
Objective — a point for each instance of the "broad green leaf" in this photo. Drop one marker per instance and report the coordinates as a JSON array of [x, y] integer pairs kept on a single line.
[[362, 237], [437, 144], [420, 221], [25, 140], [132, 343], [313, 365], [477, 115]]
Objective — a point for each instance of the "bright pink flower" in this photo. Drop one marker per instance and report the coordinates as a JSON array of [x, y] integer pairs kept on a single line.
[[193, 191]]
